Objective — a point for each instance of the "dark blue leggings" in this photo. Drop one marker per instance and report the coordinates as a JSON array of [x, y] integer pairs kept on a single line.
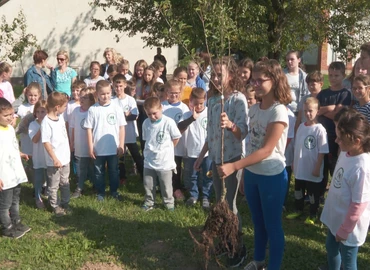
[[265, 196]]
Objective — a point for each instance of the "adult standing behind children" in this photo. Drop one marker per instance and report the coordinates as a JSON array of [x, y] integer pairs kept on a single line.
[[296, 79], [265, 178], [63, 76], [111, 58], [105, 124], [331, 101], [37, 74], [225, 84]]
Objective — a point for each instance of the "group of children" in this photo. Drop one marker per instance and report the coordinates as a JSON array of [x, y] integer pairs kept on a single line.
[[265, 114]]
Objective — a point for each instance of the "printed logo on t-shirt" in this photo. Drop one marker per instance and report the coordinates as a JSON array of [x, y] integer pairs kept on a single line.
[[160, 137], [126, 108], [310, 142], [178, 117], [15, 144], [203, 122], [82, 124], [111, 119], [338, 178]]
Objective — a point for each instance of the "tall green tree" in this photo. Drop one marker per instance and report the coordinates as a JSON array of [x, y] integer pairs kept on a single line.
[[257, 27]]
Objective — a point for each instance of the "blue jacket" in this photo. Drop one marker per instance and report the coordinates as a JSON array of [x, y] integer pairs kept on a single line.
[[33, 76], [200, 83]]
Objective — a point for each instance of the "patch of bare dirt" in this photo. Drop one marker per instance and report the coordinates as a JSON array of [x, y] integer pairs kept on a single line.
[[100, 266], [8, 264]]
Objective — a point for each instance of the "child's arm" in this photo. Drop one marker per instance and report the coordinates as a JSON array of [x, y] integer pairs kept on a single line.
[[354, 213], [121, 146], [49, 149], [330, 111], [1, 185], [72, 140], [90, 143], [202, 153], [273, 133], [183, 125], [175, 141], [37, 137], [226, 123], [316, 170]]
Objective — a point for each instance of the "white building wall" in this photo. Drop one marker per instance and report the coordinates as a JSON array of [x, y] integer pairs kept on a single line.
[[67, 25]]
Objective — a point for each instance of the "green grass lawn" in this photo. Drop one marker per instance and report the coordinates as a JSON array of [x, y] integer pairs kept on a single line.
[[119, 235]]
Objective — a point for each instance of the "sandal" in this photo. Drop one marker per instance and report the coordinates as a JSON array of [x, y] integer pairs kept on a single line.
[[254, 266]]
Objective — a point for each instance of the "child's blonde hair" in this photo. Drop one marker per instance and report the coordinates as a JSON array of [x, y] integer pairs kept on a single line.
[[140, 63], [5, 67], [312, 100], [33, 86]]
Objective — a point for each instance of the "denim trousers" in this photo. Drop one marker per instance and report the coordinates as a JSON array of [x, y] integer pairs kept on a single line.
[[9, 206], [39, 180], [193, 179], [58, 179], [340, 254], [113, 173], [265, 195], [85, 170]]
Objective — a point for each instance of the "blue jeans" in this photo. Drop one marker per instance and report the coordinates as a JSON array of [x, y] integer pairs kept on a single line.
[[9, 206], [340, 254], [39, 180], [194, 179], [113, 172], [265, 196], [85, 170]]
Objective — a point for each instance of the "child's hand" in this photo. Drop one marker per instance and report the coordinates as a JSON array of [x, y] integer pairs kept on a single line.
[[57, 163], [1, 185], [316, 172], [195, 114], [226, 169], [92, 154], [24, 156], [225, 122], [127, 113], [338, 238], [197, 164], [120, 151]]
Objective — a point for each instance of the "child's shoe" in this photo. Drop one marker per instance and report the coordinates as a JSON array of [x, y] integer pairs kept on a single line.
[[191, 201], [294, 215], [40, 204], [21, 227], [310, 220], [238, 258], [76, 194], [99, 198], [147, 208], [59, 211], [12, 232], [117, 197], [205, 204]]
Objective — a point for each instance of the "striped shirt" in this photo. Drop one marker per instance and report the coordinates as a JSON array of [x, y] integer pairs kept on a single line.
[[365, 110]]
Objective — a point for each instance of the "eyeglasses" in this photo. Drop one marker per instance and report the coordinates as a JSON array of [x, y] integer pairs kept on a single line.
[[174, 93], [258, 82], [61, 59]]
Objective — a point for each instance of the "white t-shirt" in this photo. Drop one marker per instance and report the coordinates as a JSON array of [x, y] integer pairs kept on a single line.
[[8, 92], [38, 152], [93, 82], [105, 122], [129, 104], [11, 167], [80, 134], [160, 80], [310, 141], [258, 122], [55, 133], [350, 183], [26, 143], [159, 149], [128, 77], [196, 134], [176, 112], [71, 106], [289, 150]]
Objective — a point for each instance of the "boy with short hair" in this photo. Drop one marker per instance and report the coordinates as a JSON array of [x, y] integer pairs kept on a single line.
[[195, 126], [128, 106], [310, 147], [55, 140], [12, 175], [315, 81], [331, 100], [175, 109], [161, 135], [105, 126]]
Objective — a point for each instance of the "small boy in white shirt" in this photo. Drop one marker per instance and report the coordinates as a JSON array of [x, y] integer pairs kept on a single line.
[[55, 140], [12, 175], [175, 109], [161, 136], [311, 145], [195, 127], [105, 126]]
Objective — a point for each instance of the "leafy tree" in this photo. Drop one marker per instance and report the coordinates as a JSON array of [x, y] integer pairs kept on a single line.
[[267, 27], [14, 39]]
